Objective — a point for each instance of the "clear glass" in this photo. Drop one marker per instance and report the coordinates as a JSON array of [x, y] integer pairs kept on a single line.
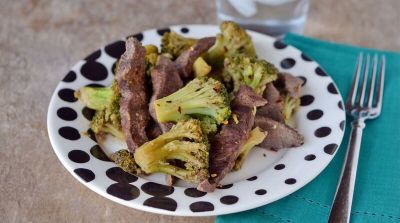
[[273, 17]]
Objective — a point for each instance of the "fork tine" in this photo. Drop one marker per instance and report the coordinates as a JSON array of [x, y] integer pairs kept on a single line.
[[360, 100], [379, 97], [353, 90], [372, 83]]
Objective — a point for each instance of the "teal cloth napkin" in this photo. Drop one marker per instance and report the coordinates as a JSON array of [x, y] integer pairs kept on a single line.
[[377, 191]]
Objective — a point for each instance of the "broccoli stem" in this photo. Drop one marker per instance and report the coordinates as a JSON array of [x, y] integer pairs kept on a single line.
[[256, 137]]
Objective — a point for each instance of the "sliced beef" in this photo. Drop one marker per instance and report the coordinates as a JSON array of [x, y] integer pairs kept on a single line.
[[153, 130], [185, 61], [225, 146], [165, 80], [279, 135], [275, 104], [246, 97], [134, 100], [287, 83]]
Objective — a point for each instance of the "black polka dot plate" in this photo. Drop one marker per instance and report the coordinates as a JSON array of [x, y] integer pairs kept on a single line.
[[266, 176]]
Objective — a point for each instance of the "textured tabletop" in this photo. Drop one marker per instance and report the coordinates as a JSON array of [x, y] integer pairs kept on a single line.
[[41, 39]]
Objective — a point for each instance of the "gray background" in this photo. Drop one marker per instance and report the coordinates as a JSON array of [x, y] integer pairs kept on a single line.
[[41, 39]]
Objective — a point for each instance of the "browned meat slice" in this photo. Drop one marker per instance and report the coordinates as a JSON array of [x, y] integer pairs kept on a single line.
[[134, 100], [288, 83], [153, 130], [185, 61], [275, 104], [225, 146], [279, 135], [246, 97], [170, 180], [165, 80]]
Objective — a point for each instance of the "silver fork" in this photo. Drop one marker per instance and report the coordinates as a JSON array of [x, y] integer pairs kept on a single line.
[[361, 107]]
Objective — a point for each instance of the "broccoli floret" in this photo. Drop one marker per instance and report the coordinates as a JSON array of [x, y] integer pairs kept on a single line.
[[256, 137], [253, 72], [201, 96], [105, 100], [126, 161], [184, 142], [174, 44], [151, 57], [200, 67], [208, 124], [232, 40], [290, 105]]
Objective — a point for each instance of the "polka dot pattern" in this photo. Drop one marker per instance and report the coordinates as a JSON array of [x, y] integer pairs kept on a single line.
[[88, 113], [120, 176], [320, 72], [201, 206], [163, 30], [94, 71], [288, 63], [95, 55], [98, 153], [97, 66], [193, 192], [115, 49], [310, 157], [123, 191], [156, 189], [69, 133], [332, 89], [290, 181], [78, 156], [85, 174], [315, 114], [306, 100], [67, 114], [70, 77], [279, 167], [322, 132], [229, 199], [330, 148], [278, 44], [67, 95], [164, 203]]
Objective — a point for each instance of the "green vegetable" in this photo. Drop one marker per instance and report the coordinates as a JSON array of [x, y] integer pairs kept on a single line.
[[290, 105], [201, 68], [185, 142], [201, 96], [126, 161], [105, 100], [232, 40], [174, 44], [256, 137], [208, 124], [151, 57], [253, 72]]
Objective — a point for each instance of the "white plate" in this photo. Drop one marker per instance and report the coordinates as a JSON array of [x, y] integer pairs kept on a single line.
[[265, 177]]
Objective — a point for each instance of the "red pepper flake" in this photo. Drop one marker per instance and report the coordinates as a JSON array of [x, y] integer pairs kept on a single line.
[[179, 109]]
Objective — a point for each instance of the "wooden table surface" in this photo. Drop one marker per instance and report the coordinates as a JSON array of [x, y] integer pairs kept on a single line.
[[41, 39]]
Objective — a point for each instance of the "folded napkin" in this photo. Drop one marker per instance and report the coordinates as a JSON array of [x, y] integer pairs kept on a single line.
[[377, 190]]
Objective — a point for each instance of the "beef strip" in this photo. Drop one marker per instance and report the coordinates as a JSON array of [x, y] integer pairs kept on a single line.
[[153, 130], [184, 62], [287, 83], [275, 104], [279, 135], [134, 100], [225, 146], [165, 80]]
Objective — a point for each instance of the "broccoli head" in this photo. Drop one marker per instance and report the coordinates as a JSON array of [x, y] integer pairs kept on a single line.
[[201, 96], [208, 124], [256, 137], [126, 161], [253, 72], [232, 40], [290, 105], [105, 100], [174, 44], [184, 142], [151, 57]]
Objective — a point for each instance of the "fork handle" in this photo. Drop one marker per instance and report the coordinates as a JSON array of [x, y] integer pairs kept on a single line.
[[341, 207]]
